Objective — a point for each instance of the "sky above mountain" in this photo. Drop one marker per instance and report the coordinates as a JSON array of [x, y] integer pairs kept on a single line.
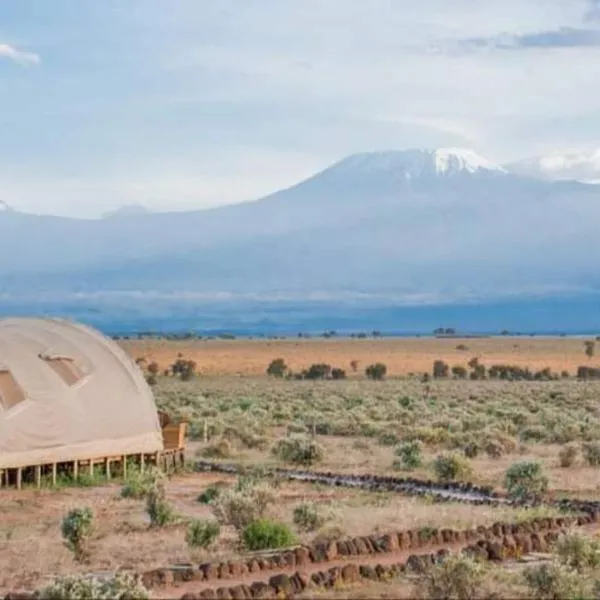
[[194, 104]]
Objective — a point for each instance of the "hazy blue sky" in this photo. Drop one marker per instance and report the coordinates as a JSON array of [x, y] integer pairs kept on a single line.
[[190, 103]]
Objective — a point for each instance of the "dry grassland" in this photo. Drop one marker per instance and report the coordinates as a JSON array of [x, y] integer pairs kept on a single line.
[[401, 355]]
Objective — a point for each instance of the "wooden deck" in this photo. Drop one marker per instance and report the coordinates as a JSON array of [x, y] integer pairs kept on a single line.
[[170, 459]]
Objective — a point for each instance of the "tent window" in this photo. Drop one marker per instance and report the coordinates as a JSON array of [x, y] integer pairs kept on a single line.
[[66, 368], [10, 391]]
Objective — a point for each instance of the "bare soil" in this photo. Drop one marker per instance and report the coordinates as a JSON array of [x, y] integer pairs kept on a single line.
[[401, 355]]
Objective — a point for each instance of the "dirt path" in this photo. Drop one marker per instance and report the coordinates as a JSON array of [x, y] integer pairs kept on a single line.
[[389, 558]]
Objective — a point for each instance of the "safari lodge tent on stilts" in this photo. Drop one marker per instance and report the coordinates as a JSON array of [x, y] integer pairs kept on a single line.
[[69, 395]]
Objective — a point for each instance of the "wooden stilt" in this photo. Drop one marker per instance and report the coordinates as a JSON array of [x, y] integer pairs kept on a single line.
[[91, 468], [107, 467], [142, 462], [38, 476], [53, 474], [75, 470], [124, 459], [19, 477]]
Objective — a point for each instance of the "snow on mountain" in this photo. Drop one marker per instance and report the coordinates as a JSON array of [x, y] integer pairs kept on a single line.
[[572, 165], [129, 210], [5, 207], [418, 162]]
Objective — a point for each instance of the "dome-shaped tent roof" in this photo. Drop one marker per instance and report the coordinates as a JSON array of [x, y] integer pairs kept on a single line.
[[67, 392]]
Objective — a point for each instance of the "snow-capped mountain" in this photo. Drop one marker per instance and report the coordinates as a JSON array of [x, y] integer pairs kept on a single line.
[[573, 165], [418, 163], [435, 222]]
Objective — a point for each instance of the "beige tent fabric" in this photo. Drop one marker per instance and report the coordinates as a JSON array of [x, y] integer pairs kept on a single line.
[[83, 396]]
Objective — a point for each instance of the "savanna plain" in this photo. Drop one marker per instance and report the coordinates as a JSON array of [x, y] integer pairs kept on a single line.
[[517, 415]]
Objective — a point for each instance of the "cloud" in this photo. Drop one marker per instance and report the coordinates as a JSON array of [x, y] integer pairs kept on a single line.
[[20, 57], [593, 11], [563, 38]]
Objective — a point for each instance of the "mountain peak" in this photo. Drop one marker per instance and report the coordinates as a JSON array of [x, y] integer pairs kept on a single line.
[[418, 162], [461, 159]]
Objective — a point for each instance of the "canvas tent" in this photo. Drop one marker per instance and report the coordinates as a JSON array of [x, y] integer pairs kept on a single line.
[[69, 393]]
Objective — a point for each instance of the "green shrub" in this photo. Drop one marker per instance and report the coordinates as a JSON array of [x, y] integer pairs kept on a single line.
[[376, 371], [440, 369], [307, 517], [210, 494], [201, 534], [452, 467], [553, 581], [471, 449], [299, 450], [122, 586], [338, 373], [136, 485], [267, 535], [277, 368], [568, 456], [578, 551], [76, 529], [159, 510], [457, 578], [410, 454], [459, 372], [494, 448], [217, 449], [239, 507], [318, 371], [591, 453], [525, 480]]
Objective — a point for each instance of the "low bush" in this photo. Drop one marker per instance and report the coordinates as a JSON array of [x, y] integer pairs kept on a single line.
[[218, 449], [525, 481], [457, 577], [158, 509], [338, 373], [307, 516], [440, 369], [277, 368], [317, 371], [201, 534], [553, 581], [267, 535], [376, 371], [410, 454], [578, 551], [591, 453], [136, 484], [299, 450], [210, 494], [122, 586], [452, 467], [568, 456], [240, 507], [76, 529]]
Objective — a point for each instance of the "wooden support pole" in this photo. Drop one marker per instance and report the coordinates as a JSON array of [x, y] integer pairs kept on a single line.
[[38, 476], [124, 460], [75, 470], [142, 462], [91, 468], [19, 477], [107, 467], [53, 474]]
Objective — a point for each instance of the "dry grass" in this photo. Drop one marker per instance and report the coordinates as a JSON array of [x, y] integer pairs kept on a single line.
[[401, 355], [31, 548]]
